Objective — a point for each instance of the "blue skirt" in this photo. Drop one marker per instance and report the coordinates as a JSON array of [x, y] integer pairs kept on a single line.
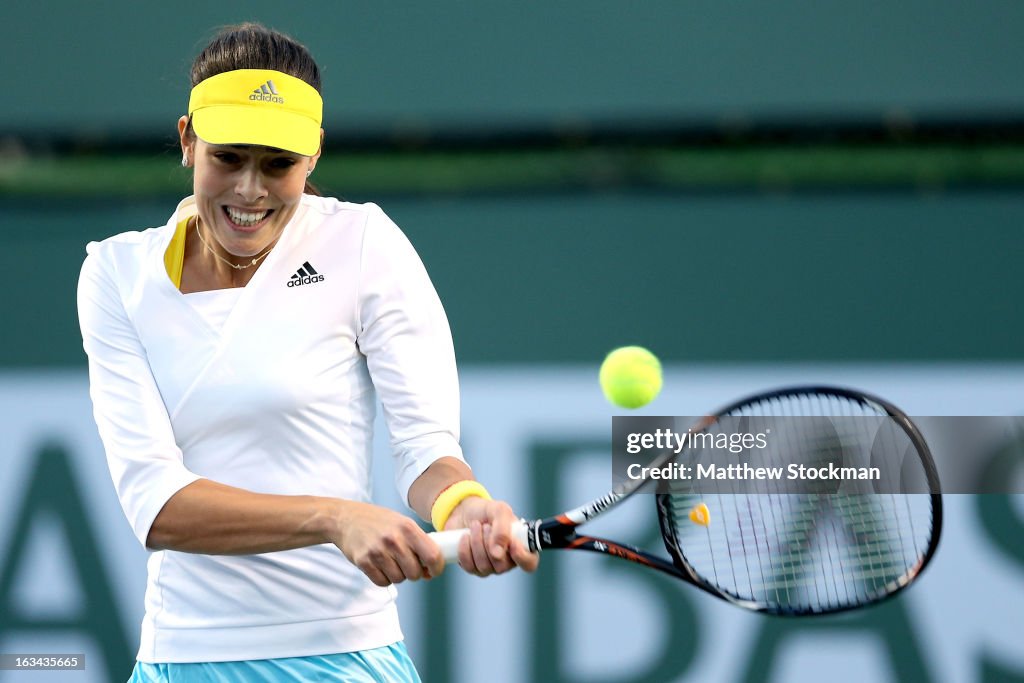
[[379, 665]]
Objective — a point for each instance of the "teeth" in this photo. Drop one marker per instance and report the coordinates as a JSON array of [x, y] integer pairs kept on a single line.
[[245, 218]]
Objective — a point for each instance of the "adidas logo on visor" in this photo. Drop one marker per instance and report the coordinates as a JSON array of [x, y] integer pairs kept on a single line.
[[266, 93]]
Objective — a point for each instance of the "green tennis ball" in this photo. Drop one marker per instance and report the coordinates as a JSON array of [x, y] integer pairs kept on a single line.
[[630, 377]]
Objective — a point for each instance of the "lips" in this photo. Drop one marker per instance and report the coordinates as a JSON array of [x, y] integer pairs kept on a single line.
[[246, 218]]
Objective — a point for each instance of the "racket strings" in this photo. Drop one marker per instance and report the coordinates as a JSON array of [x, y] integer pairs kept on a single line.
[[818, 549], [836, 550]]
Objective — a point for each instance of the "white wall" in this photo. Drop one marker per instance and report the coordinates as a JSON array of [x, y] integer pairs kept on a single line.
[[966, 606]]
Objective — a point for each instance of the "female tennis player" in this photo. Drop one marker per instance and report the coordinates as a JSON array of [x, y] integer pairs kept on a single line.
[[234, 358]]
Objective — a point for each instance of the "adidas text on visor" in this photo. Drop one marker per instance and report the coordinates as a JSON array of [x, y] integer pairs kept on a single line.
[[258, 107]]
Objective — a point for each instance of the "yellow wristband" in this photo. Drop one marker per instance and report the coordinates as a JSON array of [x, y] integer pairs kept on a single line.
[[451, 497]]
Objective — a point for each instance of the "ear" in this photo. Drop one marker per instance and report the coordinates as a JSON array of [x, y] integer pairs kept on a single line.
[[313, 159], [188, 141]]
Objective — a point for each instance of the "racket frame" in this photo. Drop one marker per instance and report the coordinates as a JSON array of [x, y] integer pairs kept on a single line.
[[559, 532]]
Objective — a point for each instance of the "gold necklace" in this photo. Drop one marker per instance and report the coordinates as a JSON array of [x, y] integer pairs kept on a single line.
[[252, 263]]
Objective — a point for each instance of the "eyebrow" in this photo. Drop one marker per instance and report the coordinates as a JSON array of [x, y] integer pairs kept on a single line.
[[272, 150]]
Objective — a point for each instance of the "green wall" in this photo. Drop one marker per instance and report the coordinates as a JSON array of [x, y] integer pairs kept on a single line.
[[546, 258], [727, 277], [103, 70]]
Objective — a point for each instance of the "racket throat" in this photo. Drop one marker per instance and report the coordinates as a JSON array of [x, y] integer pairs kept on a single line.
[[628, 552]]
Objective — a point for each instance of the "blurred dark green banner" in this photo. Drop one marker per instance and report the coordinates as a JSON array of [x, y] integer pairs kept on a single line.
[[538, 278], [120, 68]]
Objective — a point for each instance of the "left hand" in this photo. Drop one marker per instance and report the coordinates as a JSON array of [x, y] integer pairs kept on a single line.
[[489, 548]]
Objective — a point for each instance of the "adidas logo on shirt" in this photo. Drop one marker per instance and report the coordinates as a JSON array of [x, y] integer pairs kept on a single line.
[[305, 275], [266, 93]]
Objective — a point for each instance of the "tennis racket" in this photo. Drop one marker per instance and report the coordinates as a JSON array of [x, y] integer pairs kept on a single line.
[[797, 549]]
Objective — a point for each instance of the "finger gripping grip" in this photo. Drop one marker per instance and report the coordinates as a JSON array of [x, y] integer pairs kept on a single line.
[[448, 541]]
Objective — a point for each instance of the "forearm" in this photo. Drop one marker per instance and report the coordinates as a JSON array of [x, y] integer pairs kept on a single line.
[[216, 519], [428, 486]]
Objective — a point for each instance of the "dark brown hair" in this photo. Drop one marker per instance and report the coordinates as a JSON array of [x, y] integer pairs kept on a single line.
[[254, 46]]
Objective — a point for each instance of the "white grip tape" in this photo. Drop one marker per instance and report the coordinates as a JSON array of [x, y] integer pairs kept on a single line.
[[448, 541]]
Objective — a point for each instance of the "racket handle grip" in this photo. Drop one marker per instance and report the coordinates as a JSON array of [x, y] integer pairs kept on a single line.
[[448, 541]]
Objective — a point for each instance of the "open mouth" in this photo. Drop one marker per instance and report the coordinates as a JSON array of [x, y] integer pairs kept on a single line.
[[246, 219]]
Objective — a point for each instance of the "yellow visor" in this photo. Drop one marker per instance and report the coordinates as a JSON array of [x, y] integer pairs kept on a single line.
[[258, 107]]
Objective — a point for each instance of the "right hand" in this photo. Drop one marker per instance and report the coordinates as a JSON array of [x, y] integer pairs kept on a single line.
[[386, 546]]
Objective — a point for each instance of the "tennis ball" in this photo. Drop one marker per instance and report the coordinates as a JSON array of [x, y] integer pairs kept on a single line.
[[630, 377]]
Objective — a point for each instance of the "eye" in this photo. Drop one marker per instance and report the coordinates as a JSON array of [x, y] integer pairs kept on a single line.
[[226, 157], [282, 163]]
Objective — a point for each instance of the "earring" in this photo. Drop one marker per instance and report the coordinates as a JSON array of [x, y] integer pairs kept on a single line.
[[309, 173], [184, 161]]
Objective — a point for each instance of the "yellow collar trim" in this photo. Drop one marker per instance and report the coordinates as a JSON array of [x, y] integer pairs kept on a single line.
[[174, 257]]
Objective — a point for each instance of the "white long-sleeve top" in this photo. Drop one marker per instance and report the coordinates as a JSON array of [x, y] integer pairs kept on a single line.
[[279, 400]]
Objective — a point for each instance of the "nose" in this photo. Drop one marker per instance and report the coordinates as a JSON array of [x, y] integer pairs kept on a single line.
[[250, 185]]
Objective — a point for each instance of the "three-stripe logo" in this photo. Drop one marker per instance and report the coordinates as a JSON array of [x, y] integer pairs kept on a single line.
[[266, 93], [306, 275]]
